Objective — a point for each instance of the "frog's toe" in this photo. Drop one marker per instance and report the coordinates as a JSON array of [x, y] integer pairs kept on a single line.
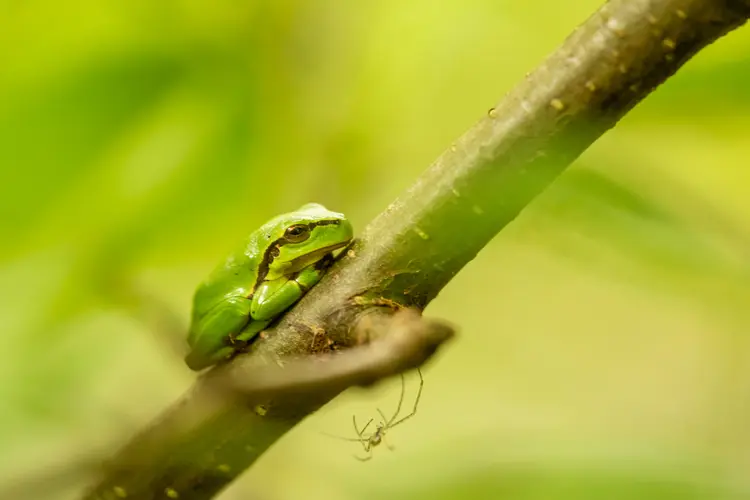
[[196, 360]]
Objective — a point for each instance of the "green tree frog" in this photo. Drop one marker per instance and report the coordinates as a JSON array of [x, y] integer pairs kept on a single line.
[[271, 271]]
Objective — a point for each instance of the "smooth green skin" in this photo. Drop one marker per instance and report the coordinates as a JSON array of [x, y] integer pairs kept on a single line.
[[261, 280]]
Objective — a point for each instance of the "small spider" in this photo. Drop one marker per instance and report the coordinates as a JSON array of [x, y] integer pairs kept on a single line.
[[373, 439]]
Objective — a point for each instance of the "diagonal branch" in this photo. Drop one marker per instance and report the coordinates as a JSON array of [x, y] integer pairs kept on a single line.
[[405, 341], [406, 255]]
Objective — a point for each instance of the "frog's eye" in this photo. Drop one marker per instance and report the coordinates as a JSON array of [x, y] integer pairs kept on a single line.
[[297, 233]]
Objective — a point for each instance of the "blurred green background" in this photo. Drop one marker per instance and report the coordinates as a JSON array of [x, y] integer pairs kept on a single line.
[[603, 350]]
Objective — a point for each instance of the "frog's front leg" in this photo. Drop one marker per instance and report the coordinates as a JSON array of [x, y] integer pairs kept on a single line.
[[274, 297], [270, 300]]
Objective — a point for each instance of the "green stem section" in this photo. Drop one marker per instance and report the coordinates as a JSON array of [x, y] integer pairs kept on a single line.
[[413, 249]]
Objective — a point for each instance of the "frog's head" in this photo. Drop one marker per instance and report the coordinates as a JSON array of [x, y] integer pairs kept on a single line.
[[304, 237]]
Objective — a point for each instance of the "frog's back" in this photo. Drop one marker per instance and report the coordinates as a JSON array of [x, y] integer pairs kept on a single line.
[[235, 277]]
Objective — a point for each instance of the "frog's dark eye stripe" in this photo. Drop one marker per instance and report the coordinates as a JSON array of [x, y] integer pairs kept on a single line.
[[274, 248]]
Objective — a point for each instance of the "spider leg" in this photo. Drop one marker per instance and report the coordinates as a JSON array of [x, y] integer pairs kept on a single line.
[[382, 415], [400, 401], [416, 402], [368, 450], [356, 440], [359, 433], [364, 441]]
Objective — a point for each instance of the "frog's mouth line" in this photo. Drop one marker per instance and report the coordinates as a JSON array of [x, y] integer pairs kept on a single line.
[[305, 260]]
